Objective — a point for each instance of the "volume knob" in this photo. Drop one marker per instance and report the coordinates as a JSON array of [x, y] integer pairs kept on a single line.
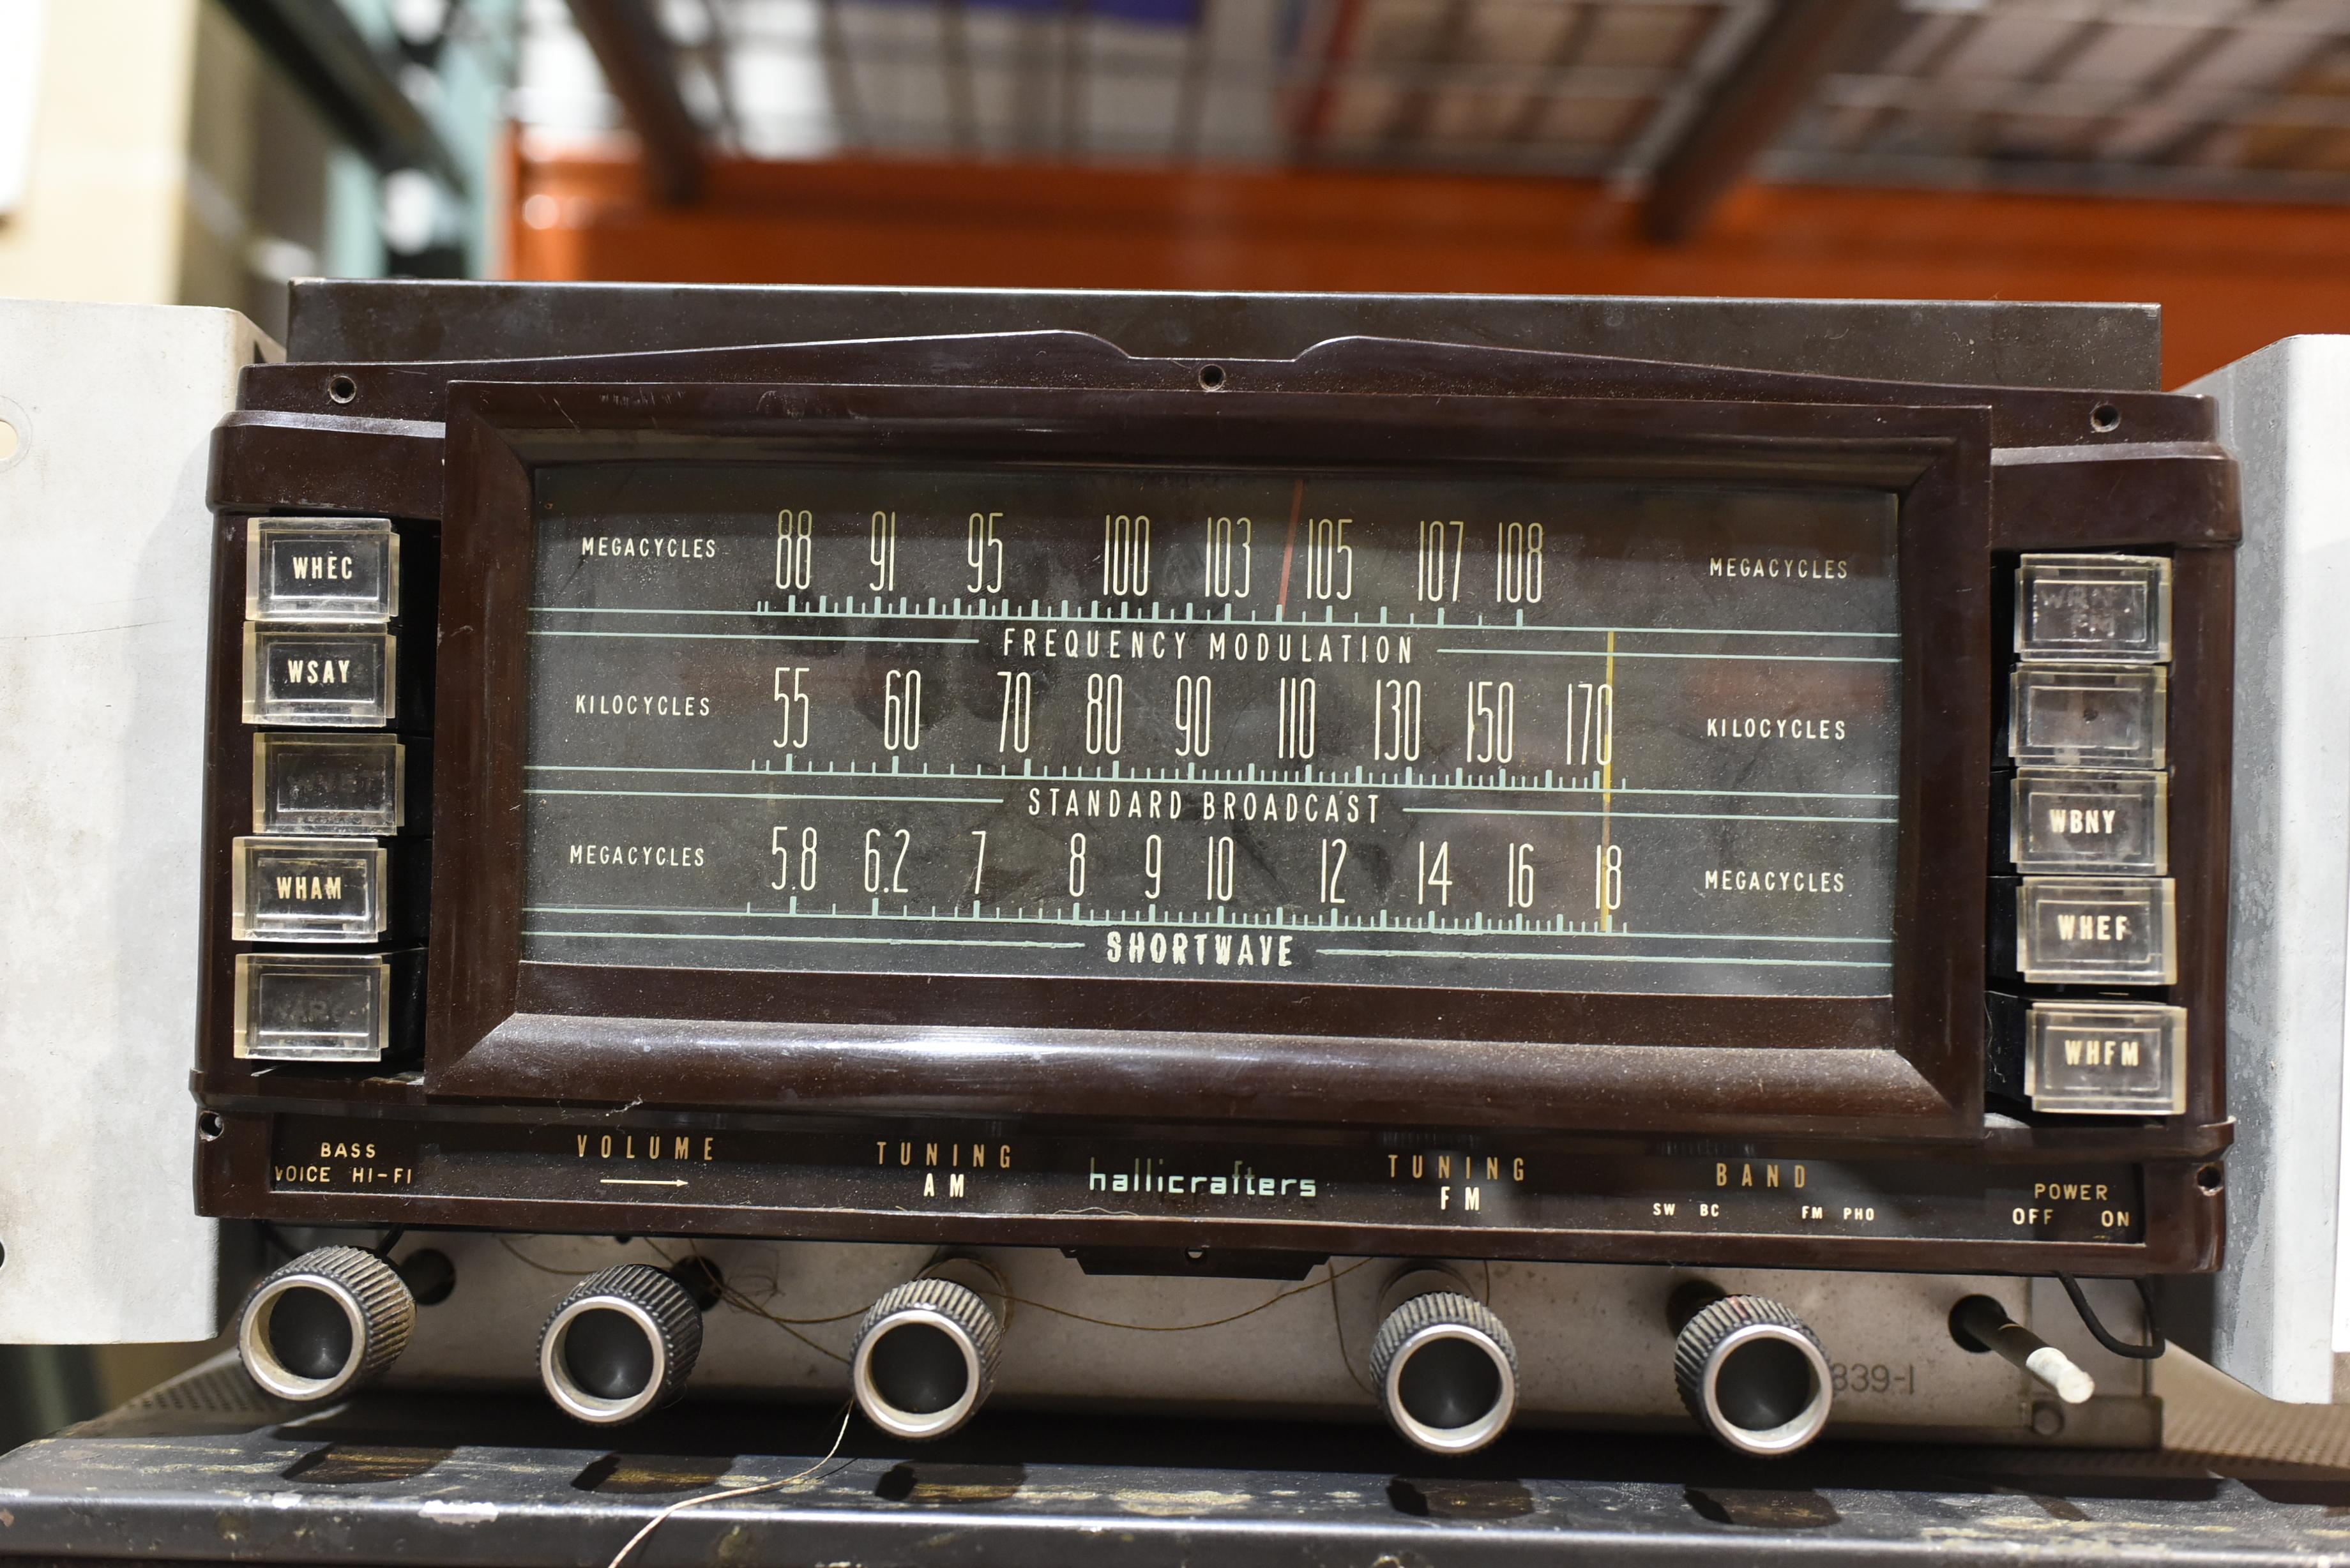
[[325, 1323], [1750, 1371], [622, 1343], [1446, 1371], [924, 1358]]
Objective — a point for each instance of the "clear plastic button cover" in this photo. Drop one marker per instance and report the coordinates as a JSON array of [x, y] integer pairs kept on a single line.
[[307, 890], [321, 569], [319, 678], [329, 784], [2084, 820], [312, 1007], [2113, 1058], [2096, 929], [2089, 716], [2112, 609]]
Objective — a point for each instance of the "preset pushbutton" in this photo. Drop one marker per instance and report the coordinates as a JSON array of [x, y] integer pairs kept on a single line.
[[2089, 930], [328, 784], [2106, 1057], [2092, 609], [2072, 715], [319, 678], [343, 570], [2086, 820]]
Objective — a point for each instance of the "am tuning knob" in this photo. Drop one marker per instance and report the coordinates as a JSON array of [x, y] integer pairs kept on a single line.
[[924, 1358], [334, 1318], [1750, 1371], [623, 1342]]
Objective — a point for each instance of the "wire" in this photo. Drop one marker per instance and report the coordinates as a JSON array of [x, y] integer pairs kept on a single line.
[[741, 1303], [1274, 1300], [657, 1520], [734, 1297], [2156, 1345], [530, 1263], [1338, 1325]]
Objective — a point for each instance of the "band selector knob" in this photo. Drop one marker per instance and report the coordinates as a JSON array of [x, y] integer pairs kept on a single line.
[[1446, 1371], [326, 1324], [623, 1342], [924, 1358], [1749, 1370]]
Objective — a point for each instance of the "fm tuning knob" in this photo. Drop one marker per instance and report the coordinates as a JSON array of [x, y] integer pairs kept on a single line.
[[334, 1318], [624, 1340], [1749, 1370], [1444, 1365]]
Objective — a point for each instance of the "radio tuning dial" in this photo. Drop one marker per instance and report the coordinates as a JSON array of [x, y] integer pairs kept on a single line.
[[622, 1343], [1750, 1371]]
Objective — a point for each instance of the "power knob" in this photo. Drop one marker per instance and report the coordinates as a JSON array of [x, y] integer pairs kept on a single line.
[[622, 1343], [325, 1323], [1749, 1370], [924, 1358], [1446, 1371]]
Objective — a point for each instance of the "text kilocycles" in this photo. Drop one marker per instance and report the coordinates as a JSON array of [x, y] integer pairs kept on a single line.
[[641, 705]]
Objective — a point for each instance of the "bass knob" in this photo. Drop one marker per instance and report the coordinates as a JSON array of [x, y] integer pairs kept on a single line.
[[327, 1322]]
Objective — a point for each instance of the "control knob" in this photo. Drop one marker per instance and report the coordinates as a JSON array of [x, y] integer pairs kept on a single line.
[[924, 1358], [1749, 1370], [624, 1340], [1444, 1365], [334, 1318]]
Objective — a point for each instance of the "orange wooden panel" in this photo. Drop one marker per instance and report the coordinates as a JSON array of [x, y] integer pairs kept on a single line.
[[2229, 277]]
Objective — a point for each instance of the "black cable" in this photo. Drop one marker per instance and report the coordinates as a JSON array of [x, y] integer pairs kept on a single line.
[[2156, 1345], [391, 1239]]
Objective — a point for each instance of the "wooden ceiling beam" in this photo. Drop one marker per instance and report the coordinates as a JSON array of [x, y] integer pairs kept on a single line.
[[1752, 103], [641, 66]]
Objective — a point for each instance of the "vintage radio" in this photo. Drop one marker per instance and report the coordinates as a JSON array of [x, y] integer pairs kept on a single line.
[[1553, 847]]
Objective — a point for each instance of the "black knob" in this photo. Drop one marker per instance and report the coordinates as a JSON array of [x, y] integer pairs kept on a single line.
[[924, 1358], [325, 1323], [1446, 1371], [1749, 1370], [622, 1343]]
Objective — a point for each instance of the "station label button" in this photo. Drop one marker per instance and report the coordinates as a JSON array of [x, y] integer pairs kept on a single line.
[[307, 890], [318, 1007], [2088, 716], [2113, 1058], [2095, 930], [2092, 609], [343, 570], [2083, 820], [319, 678], [329, 784]]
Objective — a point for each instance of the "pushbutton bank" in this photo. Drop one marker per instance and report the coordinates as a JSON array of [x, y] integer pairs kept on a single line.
[[332, 857], [2086, 836]]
